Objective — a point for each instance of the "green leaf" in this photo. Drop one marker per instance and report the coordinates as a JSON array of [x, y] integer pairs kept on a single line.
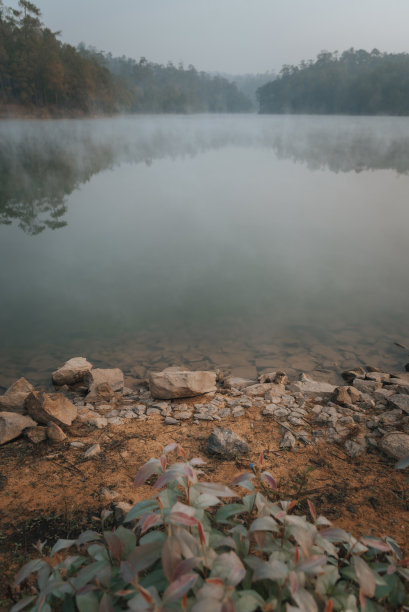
[[29, 568], [264, 523], [128, 539], [22, 604], [147, 505], [87, 602], [62, 545], [248, 601], [87, 574], [227, 511]]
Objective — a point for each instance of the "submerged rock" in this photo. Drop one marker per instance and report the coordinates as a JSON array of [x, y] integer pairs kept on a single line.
[[54, 408], [12, 425], [174, 383], [73, 371], [226, 443], [15, 396]]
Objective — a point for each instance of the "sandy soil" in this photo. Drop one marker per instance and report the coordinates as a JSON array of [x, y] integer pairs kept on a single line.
[[50, 490]]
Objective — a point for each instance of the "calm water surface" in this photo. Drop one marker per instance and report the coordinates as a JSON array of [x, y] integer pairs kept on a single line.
[[241, 242]]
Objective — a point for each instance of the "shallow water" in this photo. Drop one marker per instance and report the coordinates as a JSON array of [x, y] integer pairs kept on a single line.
[[239, 242]]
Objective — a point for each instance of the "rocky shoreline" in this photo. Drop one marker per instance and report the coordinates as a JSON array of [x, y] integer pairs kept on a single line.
[[371, 410]]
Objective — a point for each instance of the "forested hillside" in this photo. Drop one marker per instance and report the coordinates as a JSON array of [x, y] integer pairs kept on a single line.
[[38, 71], [355, 82]]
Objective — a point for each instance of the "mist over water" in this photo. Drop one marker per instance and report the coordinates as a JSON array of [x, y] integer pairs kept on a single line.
[[244, 242]]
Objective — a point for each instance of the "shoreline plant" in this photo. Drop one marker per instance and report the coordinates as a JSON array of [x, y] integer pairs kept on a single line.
[[190, 548]]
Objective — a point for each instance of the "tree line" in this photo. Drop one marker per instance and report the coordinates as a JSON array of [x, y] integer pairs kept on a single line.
[[38, 71], [357, 82]]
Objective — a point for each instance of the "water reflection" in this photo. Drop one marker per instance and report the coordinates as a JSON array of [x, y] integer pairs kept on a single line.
[[43, 162]]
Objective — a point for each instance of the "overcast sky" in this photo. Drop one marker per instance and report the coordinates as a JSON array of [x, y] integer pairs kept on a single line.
[[234, 36]]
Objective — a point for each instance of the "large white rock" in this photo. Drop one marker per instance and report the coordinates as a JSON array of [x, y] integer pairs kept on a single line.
[[173, 383], [104, 378], [50, 408], [12, 425], [15, 396], [395, 444], [73, 371], [262, 388]]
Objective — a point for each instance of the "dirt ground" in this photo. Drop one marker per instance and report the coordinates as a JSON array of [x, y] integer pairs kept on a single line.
[[50, 491]]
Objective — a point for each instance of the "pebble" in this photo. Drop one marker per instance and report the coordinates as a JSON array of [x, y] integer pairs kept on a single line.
[[93, 451]]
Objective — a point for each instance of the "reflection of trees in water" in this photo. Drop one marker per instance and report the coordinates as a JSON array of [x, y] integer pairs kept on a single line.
[[41, 163]]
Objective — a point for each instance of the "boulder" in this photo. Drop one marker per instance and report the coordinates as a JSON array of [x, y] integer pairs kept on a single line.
[[15, 396], [400, 401], [174, 383], [36, 434], [100, 381], [346, 395], [350, 375], [73, 371], [55, 433], [309, 387], [53, 407], [12, 425], [395, 444], [226, 443]]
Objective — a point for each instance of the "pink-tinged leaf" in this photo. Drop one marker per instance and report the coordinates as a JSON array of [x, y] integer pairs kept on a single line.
[[268, 479], [260, 459], [171, 557], [305, 539], [365, 576], [335, 534], [260, 538], [183, 519], [143, 556], [182, 451], [296, 555], [124, 592], [246, 477], [145, 594], [115, 545], [207, 604], [163, 462], [292, 505], [184, 567], [391, 569], [169, 448], [230, 562], [216, 489], [146, 471], [362, 601], [166, 478], [272, 570], [264, 523], [197, 461], [280, 516], [305, 601], [179, 587], [106, 604], [215, 581], [293, 578], [190, 474], [313, 512], [376, 544], [128, 572], [150, 521], [313, 564], [329, 606], [228, 605], [202, 536]]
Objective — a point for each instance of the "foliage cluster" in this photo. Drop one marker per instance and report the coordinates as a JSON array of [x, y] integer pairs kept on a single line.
[[37, 70], [188, 550], [355, 83]]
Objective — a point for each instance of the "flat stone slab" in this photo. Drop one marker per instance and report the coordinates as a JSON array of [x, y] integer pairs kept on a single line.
[[101, 379], [400, 401], [172, 383]]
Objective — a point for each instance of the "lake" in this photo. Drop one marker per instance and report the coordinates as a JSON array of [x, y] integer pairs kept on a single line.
[[240, 242]]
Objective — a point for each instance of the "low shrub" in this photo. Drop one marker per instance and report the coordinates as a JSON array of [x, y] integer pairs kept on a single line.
[[189, 548]]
